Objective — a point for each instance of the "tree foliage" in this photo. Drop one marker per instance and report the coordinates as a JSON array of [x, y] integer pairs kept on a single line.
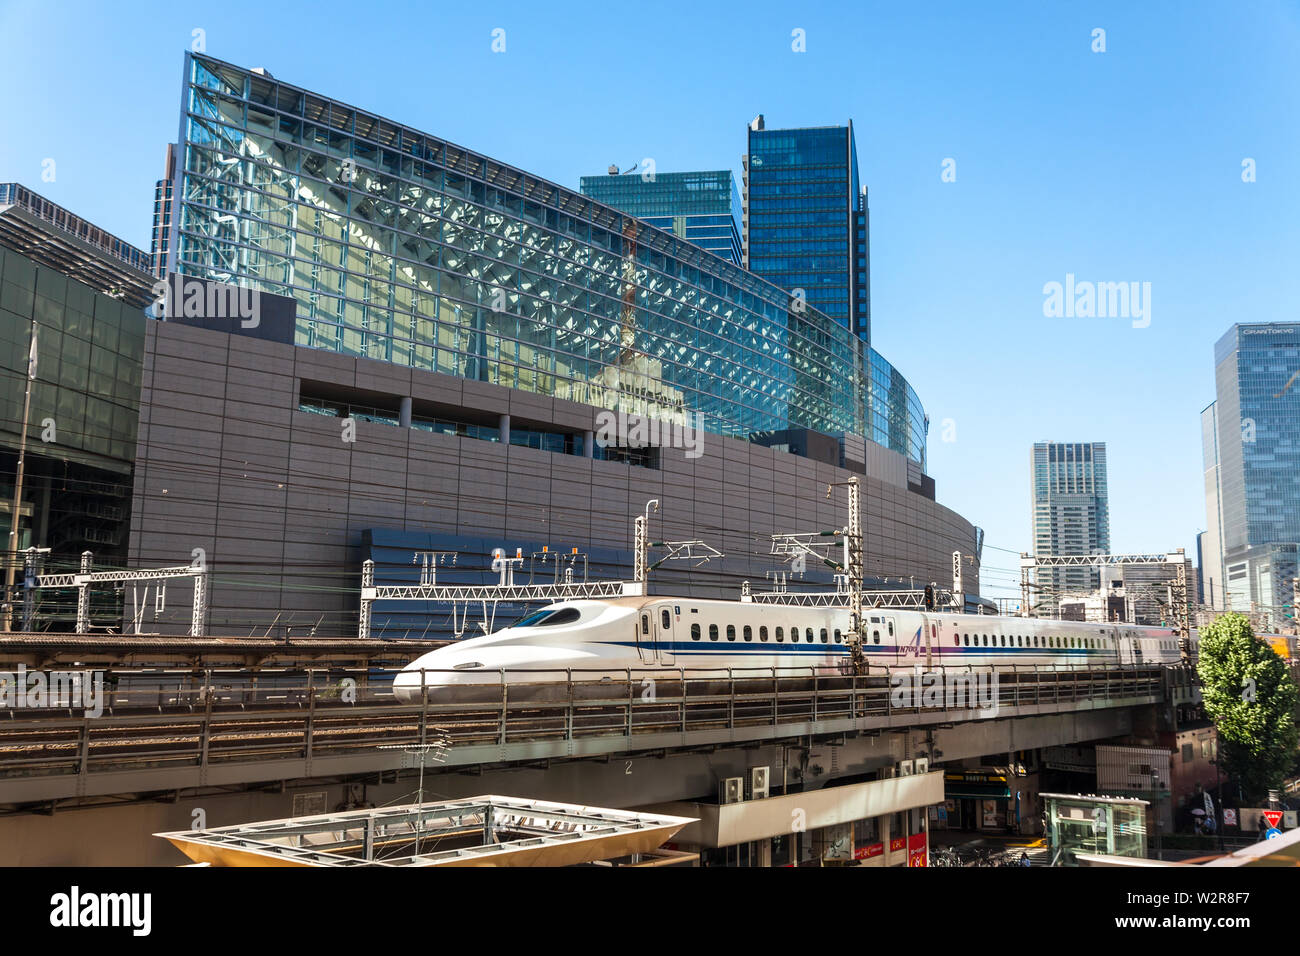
[[1251, 698]]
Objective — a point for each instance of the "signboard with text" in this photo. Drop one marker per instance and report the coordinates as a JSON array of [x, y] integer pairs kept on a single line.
[[867, 852], [916, 850]]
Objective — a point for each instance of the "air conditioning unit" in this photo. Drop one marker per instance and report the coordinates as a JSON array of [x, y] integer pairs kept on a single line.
[[732, 790], [922, 764], [758, 783], [906, 768]]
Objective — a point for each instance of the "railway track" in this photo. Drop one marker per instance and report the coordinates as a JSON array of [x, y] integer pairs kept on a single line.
[[202, 727]]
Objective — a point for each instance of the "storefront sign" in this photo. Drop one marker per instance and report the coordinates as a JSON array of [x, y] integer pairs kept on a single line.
[[867, 852], [916, 850]]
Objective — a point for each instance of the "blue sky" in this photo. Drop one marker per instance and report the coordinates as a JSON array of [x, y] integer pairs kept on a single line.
[[1117, 166]]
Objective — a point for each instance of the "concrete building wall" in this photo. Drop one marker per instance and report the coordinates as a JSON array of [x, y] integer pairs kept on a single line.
[[278, 500]]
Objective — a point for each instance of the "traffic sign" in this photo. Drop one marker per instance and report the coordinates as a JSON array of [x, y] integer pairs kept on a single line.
[[1272, 817], [1272, 834]]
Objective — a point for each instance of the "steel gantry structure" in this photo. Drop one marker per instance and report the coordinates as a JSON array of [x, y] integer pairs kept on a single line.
[[1178, 558], [84, 578], [506, 591]]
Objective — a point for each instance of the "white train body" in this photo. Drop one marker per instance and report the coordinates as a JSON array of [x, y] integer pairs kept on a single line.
[[596, 639]]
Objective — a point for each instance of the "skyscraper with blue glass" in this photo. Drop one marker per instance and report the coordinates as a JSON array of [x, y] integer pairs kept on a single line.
[[700, 207], [1252, 464], [805, 226]]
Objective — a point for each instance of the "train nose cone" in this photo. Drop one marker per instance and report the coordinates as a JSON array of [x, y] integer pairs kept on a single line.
[[406, 686]]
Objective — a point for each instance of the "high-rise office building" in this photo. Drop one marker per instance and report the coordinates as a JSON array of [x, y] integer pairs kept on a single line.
[[805, 226], [1251, 445], [700, 207], [1210, 541], [1071, 512], [162, 216]]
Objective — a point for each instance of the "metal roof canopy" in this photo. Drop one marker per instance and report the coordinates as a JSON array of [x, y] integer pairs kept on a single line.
[[32, 225], [1092, 798], [478, 831]]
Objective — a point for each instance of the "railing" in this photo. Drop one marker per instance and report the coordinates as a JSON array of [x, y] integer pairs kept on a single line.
[[317, 715]]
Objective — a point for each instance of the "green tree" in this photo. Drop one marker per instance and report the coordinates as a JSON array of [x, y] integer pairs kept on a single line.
[[1251, 698]]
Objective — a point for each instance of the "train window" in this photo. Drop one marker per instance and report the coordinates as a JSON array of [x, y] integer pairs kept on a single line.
[[713, 632], [667, 619], [1004, 640], [731, 632], [762, 633], [548, 618], [839, 638], [780, 634], [956, 640], [645, 623], [695, 632], [749, 633], [825, 636], [889, 623], [875, 637], [986, 640], [808, 634], [966, 639]]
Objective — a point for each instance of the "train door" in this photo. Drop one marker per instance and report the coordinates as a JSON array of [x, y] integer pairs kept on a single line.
[[663, 626], [645, 635], [929, 630]]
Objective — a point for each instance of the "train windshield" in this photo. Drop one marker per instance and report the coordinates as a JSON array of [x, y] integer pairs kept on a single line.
[[548, 617]]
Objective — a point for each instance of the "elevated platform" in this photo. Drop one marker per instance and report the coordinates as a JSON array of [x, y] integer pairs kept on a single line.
[[198, 733]]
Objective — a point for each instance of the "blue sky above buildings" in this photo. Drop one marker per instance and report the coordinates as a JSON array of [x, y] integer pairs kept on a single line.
[[1123, 166]]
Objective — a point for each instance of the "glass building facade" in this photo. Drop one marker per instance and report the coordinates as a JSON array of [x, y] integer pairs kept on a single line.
[[401, 247], [81, 435], [700, 207], [1254, 461], [806, 220]]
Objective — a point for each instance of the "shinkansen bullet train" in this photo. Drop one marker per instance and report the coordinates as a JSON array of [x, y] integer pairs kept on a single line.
[[598, 639]]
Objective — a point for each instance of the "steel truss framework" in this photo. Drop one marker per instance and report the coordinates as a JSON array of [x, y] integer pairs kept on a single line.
[[1177, 558], [83, 579]]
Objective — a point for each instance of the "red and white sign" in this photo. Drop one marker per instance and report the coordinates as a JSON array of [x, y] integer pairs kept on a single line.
[[916, 850], [1229, 817], [898, 843], [867, 852], [1273, 817]]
